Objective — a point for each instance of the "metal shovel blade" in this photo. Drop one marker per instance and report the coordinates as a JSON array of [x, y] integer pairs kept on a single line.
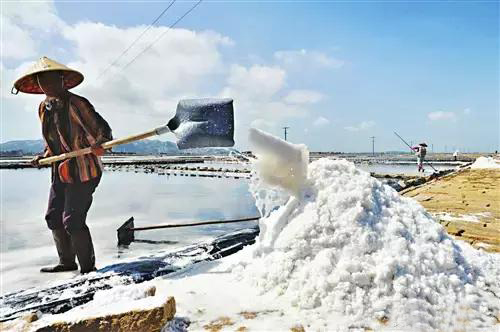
[[126, 232], [201, 123]]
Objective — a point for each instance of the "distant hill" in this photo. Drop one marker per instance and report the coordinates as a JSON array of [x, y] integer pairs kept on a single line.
[[148, 147], [26, 146], [145, 147]]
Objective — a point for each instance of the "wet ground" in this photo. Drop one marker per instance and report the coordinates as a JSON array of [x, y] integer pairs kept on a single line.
[[26, 243], [467, 203]]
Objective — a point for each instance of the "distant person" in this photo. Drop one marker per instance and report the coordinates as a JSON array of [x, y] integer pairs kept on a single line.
[[69, 122], [455, 155], [420, 151]]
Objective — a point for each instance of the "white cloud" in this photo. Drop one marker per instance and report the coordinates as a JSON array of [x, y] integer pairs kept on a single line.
[[144, 94], [177, 62], [24, 24], [18, 44], [40, 15], [263, 124], [306, 58], [321, 122], [279, 110], [258, 92], [254, 83], [361, 126], [442, 116], [303, 97]]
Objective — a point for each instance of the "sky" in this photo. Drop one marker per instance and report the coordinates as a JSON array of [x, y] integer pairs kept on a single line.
[[336, 73]]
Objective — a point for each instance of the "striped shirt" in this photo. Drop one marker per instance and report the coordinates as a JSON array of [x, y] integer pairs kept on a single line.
[[70, 123]]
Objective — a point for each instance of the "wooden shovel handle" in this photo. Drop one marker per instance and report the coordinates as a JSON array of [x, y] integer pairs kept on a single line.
[[107, 145], [211, 222]]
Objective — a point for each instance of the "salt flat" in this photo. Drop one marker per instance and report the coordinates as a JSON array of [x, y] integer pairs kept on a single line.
[[467, 203]]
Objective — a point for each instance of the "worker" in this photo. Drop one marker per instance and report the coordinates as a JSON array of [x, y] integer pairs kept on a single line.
[[420, 151], [69, 122]]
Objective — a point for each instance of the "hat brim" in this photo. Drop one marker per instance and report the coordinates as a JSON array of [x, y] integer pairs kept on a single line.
[[29, 83], [423, 144]]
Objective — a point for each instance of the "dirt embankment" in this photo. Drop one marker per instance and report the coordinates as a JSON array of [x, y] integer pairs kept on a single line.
[[467, 203]]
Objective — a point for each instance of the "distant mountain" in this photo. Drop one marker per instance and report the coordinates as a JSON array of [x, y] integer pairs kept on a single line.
[[148, 147], [145, 147], [209, 152], [26, 146]]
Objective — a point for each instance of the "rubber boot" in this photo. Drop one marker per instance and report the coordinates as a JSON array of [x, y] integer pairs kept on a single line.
[[64, 251], [84, 249]]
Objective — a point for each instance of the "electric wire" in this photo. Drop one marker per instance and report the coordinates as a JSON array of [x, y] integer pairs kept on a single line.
[[136, 40], [161, 35]]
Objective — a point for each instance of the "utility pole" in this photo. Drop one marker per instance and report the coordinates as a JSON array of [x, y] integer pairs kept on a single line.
[[432, 147], [373, 144], [285, 129]]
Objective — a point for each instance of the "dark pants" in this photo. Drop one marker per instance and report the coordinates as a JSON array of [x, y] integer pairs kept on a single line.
[[69, 204]]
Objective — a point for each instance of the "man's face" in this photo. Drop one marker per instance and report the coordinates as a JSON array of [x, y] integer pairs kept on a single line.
[[51, 82]]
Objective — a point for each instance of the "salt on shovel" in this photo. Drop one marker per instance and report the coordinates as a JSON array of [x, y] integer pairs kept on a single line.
[[198, 123], [280, 163]]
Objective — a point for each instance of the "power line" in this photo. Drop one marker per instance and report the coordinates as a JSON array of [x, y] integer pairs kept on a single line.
[[160, 36], [136, 40]]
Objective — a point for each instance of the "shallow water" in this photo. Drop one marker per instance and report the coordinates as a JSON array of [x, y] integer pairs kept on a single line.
[[27, 245], [379, 168], [405, 169]]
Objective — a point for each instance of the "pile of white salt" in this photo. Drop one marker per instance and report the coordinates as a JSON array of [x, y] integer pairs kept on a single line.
[[341, 241]]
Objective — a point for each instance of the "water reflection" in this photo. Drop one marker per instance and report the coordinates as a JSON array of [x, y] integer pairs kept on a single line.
[[26, 242], [405, 169]]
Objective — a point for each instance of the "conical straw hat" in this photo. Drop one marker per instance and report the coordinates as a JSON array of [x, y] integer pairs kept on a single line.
[[28, 83]]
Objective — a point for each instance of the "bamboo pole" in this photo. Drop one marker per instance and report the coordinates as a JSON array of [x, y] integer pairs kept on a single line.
[[106, 145]]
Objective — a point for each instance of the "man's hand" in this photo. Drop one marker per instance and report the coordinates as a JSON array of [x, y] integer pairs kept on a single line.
[[35, 160], [97, 150]]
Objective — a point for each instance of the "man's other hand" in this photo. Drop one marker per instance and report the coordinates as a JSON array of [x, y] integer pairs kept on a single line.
[[35, 161]]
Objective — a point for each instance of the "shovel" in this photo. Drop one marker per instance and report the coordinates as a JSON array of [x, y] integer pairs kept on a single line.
[[126, 231], [198, 123]]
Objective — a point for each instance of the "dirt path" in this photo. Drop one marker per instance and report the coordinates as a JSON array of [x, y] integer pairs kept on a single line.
[[467, 203]]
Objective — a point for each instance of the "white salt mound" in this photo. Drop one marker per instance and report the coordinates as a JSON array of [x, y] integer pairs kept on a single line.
[[349, 244], [485, 162]]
